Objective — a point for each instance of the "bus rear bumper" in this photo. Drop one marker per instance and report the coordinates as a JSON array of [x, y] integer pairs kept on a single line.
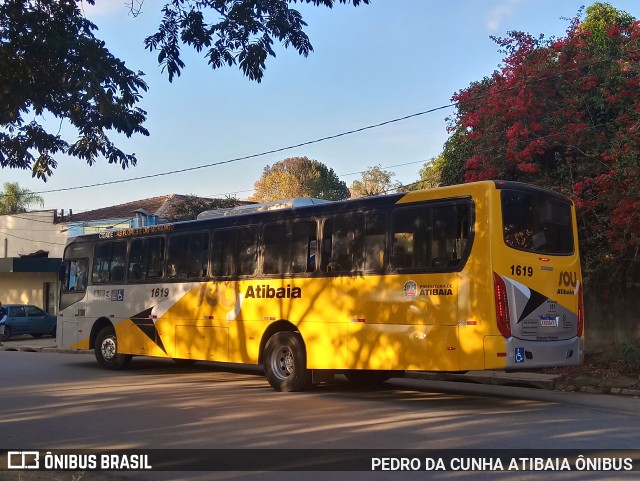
[[523, 354]]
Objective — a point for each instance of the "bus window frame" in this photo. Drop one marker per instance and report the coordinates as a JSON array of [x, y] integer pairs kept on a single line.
[[188, 234], [147, 280], [321, 266], [284, 221], [65, 275], [257, 257], [547, 196], [124, 266], [466, 252]]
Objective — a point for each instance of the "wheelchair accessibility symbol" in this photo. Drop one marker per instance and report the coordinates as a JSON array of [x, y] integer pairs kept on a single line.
[[519, 355]]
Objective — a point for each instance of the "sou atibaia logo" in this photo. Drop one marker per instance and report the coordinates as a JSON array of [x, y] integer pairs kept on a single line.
[[410, 290]]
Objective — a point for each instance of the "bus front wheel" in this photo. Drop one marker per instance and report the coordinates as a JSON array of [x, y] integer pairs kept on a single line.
[[106, 350], [285, 362]]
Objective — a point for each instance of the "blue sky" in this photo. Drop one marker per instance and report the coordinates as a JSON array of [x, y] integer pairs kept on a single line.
[[370, 64]]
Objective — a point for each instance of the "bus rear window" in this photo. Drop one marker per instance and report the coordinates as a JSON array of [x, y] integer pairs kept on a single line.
[[536, 223]]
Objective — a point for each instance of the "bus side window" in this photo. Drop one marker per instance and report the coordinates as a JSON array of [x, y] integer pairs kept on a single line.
[[155, 258], [198, 254], [101, 263], [412, 238], [303, 247], [430, 237], [247, 252], [74, 275], [443, 249], [118, 257], [342, 243], [235, 252], [137, 259], [109, 262], [177, 257], [313, 255], [81, 274], [374, 243], [403, 239], [222, 253], [276, 240]]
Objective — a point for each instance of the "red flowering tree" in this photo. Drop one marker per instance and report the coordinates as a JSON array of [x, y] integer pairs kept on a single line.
[[564, 113]]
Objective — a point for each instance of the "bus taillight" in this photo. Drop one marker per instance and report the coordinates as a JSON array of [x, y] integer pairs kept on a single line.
[[502, 306], [580, 312]]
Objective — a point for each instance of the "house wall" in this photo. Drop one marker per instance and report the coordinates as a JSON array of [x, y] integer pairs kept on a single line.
[[21, 235], [26, 233], [27, 288]]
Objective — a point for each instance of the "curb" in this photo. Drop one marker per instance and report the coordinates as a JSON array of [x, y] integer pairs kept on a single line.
[[604, 389], [495, 378], [42, 349], [549, 382]]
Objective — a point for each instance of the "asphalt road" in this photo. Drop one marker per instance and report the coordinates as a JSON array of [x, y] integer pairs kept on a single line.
[[56, 400]]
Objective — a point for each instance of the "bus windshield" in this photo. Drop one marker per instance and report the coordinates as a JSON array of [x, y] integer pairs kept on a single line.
[[536, 223]]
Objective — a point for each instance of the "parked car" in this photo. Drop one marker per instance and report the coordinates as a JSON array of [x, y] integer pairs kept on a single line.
[[27, 319]]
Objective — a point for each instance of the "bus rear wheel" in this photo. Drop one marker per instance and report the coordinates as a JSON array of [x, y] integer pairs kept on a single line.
[[106, 350], [285, 362]]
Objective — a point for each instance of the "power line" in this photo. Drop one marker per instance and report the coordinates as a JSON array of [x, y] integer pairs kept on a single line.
[[339, 175], [32, 240], [322, 139], [252, 156], [386, 167]]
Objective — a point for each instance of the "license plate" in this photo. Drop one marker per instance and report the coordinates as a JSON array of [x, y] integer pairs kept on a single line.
[[548, 321]]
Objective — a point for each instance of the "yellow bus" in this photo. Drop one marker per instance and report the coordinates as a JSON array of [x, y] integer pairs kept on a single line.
[[468, 277]]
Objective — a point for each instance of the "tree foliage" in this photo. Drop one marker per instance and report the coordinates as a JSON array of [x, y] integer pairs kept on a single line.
[[374, 181], [52, 65], [232, 32], [564, 113], [16, 200], [299, 177], [190, 206], [430, 174]]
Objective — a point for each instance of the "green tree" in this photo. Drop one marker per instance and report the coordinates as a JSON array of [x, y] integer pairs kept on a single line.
[[299, 177], [15, 200], [52, 65], [600, 17], [374, 181], [190, 206], [430, 175], [232, 32]]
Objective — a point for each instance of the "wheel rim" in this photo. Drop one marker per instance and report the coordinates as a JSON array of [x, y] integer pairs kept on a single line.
[[282, 363], [108, 348]]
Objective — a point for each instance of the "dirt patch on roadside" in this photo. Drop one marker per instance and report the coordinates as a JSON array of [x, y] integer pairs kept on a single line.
[[600, 374]]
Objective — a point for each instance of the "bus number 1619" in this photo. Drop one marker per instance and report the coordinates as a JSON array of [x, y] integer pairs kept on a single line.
[[526, 271], [160, 292]]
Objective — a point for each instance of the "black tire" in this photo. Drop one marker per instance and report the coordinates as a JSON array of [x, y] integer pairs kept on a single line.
[[7, 334], [367, 378], [106, 350], [285, 362]]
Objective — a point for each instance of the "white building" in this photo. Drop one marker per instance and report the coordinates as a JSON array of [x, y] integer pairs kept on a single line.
[[32, 244]]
